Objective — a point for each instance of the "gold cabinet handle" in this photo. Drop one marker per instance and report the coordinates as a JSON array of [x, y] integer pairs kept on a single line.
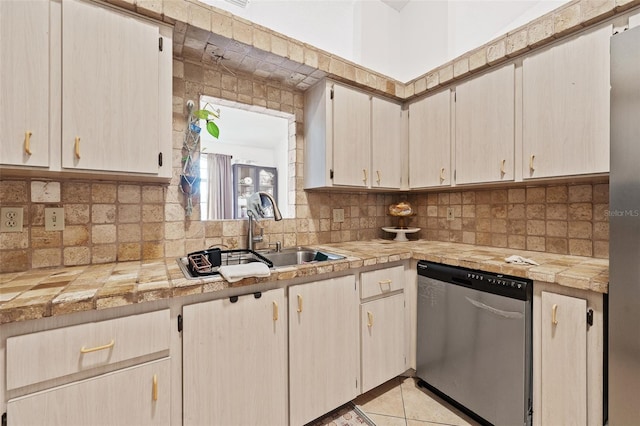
[[502, 172], [369, 319], [364, 172], [299, 303], [442, 175], [554, 317], [27, 143], [385, 282], [154, 392], [109, 345], [275, 310], [76, 147], [378, 180], [531, 168]]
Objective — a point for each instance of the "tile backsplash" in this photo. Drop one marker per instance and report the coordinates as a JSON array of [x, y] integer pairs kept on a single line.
[[116, 221], [554, 218]]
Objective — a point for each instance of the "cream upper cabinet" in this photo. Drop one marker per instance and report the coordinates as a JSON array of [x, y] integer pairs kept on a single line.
[[114, 99], [430, 141], [324, 356], [566, 107], [24, 85], [235, 361], [484, 128], [351, 139], [386, 131]]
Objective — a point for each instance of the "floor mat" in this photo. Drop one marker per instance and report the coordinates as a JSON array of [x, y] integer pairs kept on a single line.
[[347, 415]]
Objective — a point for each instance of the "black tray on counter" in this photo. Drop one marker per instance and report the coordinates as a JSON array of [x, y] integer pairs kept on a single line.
[[207, 262]]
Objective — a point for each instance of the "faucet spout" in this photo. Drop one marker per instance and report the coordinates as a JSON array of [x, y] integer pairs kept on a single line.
[[255, 211]]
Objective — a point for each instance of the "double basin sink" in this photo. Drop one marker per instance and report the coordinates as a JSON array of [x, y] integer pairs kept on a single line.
[[286, 257]]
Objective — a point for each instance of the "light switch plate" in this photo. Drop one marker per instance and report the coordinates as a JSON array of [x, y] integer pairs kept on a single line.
[[11, 219], [338, 215], [54, 219]]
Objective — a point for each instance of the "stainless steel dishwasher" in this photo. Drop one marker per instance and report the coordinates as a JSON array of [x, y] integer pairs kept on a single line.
[[474, 341]]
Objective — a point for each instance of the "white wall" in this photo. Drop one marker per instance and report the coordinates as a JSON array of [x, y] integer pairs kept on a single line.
[[402, 45]]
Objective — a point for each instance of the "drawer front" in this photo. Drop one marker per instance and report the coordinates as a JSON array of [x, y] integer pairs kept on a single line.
[[138, 396], [382, 281], [37, 357]]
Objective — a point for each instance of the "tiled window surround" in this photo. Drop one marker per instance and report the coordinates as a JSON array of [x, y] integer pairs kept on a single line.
[[116, 221]]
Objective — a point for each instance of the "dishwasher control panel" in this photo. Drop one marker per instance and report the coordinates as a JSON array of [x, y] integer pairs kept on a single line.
[[505, 285]]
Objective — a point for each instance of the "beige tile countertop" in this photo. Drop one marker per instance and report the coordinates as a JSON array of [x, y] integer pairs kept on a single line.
[[42, 293]]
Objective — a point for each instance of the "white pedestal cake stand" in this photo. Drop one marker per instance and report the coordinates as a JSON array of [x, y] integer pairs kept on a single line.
[[401, 233]]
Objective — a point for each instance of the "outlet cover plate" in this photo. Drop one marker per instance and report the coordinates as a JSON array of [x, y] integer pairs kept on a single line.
[[450, 213], [54, 219], [11, 219], [338, 215]]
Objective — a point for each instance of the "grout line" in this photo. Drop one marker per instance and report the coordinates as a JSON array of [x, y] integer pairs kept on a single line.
[[404, 411]]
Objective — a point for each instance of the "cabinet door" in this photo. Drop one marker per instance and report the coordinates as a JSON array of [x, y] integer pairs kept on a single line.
[[566, 107], [323, 347], [24, 85], [134, 396], [564, 360], [485, 120], [110, 78], [386, 134], [430, 141], [351, 137], [235, 361], [382, 333]]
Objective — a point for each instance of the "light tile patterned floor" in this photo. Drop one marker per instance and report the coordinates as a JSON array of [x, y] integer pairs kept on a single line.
[[400, 402]]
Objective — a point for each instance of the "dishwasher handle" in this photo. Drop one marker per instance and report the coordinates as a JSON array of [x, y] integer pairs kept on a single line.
[[495, 311]]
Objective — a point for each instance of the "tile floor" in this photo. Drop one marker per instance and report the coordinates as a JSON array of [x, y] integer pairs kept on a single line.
[[400, 402]]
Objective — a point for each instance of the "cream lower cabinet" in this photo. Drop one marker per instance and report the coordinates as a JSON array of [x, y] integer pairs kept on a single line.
[[382, 326], [112, 372], [383, 340], [568, 357], [134, 396], [235, 361], [323, 347]]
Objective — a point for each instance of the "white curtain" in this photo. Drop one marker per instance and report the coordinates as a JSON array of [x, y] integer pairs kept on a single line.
[[220, 186]]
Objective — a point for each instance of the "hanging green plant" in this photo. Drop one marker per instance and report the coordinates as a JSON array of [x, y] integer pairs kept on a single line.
[[209, 115]]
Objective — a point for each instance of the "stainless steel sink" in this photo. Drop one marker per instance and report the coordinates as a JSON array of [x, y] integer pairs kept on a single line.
[[298, 256], [285, 257]]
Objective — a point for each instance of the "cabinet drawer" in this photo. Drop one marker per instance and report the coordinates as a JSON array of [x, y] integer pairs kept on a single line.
[[375, 283], [46, 355], [138, 396]]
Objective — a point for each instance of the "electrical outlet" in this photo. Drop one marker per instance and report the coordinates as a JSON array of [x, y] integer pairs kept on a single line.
[[11, 219], [54, 219], [338, 215], [450, 214]]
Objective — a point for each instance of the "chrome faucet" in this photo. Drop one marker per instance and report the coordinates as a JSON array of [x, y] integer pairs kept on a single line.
[[255, 211]]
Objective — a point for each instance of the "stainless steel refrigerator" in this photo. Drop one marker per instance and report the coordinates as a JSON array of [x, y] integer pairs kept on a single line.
[[624, 227]]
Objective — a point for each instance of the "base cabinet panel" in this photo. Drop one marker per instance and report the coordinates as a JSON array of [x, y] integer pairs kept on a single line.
[[564, 360], [323, 347], [235, 361], [568, 356], [133, 396], [383, 345]]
